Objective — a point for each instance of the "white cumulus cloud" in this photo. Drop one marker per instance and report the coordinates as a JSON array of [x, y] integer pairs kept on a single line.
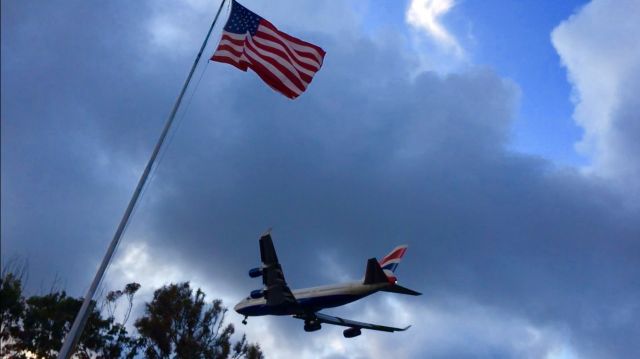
[[425, 15], [600, 48]]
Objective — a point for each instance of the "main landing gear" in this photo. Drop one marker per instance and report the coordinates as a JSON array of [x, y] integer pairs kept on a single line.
[[244, 321], [311, 325]]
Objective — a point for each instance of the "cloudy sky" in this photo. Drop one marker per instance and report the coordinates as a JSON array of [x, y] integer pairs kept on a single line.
[[499, 139]]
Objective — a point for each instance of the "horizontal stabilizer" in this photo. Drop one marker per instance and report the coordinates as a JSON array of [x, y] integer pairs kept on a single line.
[[400, 289]]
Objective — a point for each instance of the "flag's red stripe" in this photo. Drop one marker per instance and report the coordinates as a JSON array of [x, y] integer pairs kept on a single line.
[[275, 48], [225, 36], [301, 76], [225, 47], [300, 79], [268, 39], [306, 47], [290, 52], [285, 63], [256, 59], [301, 50], [272, 80], [288, 37], [311, 59], [282, 70], [262, 71], [230, 61], [227, 54], [292, 75]]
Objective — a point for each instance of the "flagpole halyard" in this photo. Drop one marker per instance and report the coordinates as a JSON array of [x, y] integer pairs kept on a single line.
[[71, 340]]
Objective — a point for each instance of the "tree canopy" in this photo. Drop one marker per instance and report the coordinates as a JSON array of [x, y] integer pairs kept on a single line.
[[177, 323]]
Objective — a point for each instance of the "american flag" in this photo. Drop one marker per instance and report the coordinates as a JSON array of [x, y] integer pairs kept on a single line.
[[285, 63]]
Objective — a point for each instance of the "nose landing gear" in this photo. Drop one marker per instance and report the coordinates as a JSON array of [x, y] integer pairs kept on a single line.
[[244, 321]]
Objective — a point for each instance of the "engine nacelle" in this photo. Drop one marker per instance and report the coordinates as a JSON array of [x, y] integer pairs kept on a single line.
[[256, 294], [351, 332], [255, 272]]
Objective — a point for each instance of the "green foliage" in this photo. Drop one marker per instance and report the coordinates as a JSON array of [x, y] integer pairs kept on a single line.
[[12, 308], [176, 324], [46, 321]]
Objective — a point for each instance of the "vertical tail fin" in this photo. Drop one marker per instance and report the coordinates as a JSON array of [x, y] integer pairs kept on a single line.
[[374, 273], [383, 272], [389, 263]]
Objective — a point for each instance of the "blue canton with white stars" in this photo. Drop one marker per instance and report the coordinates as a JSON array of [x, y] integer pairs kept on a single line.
[[242, 20]]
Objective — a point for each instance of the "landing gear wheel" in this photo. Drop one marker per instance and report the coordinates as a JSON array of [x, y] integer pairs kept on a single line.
[[311, 325], [244, 321]]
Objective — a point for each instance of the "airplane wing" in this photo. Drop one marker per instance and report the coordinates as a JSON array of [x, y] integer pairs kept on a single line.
[[277, 291], [323, 318]]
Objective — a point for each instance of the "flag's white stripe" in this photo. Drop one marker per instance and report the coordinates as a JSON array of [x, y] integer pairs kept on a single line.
[[242, 37], [238, 37], [293, 46], [231, 56], [283, 79], [278, 46], [238, 48], [289, 50], [307, 49], [281, 61], [227, 54], [299, 55]]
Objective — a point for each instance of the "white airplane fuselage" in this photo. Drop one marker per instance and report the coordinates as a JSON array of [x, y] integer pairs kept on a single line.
[[311, 299], [277, 298]]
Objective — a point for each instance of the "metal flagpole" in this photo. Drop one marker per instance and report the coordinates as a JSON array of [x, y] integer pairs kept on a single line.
[[71, 340]]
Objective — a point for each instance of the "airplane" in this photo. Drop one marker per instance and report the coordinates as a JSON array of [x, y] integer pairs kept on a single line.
[[276, 298]]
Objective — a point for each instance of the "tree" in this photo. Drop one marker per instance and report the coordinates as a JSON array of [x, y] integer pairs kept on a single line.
[[176, 324], [180, 324], [113, 296], [37, 325], [46, 321], [12, 308]]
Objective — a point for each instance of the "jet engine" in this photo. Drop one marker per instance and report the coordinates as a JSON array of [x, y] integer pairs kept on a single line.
[[255, 272], [256, 294], [351, 332]]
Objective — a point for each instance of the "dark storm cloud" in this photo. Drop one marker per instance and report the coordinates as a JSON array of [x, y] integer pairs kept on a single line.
[[75, 119], [404, 161], [367, 159]]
